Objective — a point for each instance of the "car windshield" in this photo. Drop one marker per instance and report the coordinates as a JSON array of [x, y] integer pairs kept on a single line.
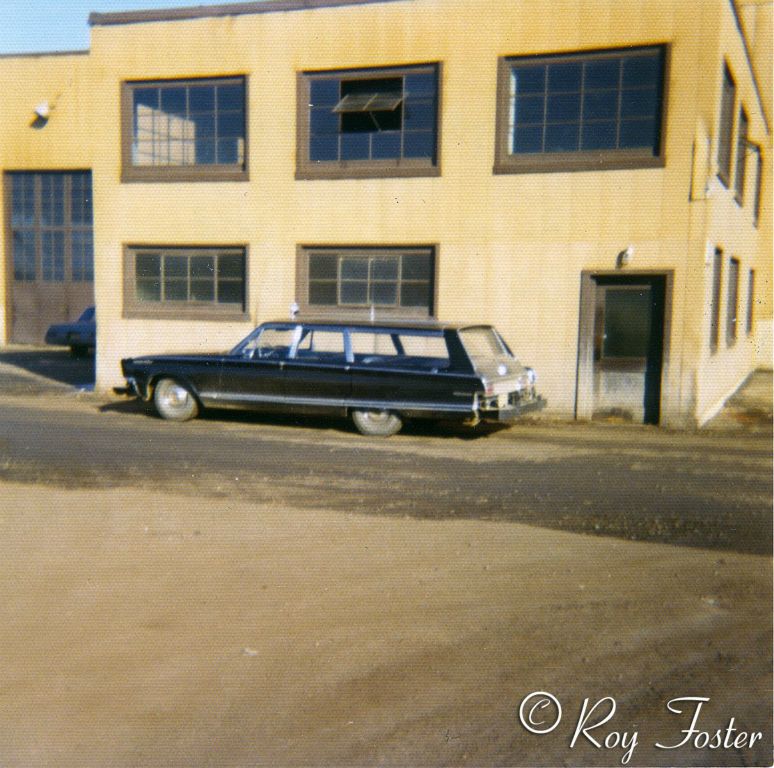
[[482, 342], [87, 316], [263, 339]]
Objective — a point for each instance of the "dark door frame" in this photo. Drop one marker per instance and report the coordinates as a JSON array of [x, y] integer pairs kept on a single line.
[[584, 391]]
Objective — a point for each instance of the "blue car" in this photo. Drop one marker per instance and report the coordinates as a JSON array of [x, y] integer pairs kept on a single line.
[[80, 336]]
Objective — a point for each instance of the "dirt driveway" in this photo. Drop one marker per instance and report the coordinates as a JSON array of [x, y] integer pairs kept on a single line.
[[146, 630], [231, 626]]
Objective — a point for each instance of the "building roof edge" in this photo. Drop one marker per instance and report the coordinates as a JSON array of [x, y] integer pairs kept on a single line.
[[229, 9], [41, 54], [750, 64]]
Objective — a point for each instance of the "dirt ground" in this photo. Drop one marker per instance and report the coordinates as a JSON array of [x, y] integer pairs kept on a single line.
[[148, 629]]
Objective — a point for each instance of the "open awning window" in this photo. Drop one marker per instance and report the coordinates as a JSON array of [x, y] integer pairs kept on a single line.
[[369, 102]]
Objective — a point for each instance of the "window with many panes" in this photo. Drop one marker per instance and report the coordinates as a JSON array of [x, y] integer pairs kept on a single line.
[[726, 127], [741, 156], [368, 123], [581, 111], [717, 281], [750, 301], [51, 227], [758, 189], [387, 281], [732, 307], [185, 282], [185, 129]]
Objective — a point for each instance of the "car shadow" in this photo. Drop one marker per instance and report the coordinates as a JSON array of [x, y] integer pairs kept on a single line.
[[58, 365], [416, 428]]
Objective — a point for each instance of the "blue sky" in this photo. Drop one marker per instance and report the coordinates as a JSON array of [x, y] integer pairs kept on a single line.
[[62, 25]]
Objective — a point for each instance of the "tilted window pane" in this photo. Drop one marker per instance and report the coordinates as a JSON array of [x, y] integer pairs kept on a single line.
[[357, 118]]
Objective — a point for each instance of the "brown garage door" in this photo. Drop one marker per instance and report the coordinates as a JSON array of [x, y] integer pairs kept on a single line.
[[52, 251]]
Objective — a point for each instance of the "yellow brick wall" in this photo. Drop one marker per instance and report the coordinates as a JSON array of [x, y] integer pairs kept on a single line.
[[511, 248]]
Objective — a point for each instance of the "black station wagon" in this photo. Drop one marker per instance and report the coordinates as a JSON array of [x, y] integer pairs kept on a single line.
[[379, 373]]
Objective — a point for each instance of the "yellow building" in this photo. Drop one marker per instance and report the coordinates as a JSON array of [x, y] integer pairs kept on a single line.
[[591, 176]]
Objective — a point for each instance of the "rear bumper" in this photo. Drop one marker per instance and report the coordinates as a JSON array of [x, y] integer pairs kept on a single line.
[[513, 412]]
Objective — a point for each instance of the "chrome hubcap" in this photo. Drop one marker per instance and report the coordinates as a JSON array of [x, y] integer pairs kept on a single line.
[[175, 396]]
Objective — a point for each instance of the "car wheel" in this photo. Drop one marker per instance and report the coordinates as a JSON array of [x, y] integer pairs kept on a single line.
[[76, 350], [173, 401], [377, 423]]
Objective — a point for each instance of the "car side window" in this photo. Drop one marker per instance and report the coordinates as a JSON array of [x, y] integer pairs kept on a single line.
[[401, 349], [270, 344], [321, 346]]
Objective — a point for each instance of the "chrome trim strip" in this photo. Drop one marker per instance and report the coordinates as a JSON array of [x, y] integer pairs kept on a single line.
[[381, 405]]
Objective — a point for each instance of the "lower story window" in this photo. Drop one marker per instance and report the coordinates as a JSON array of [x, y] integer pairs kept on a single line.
[[185, 282], [386, 281]]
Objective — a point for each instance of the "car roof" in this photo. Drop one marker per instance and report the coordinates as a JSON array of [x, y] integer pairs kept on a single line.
[[371, 325]]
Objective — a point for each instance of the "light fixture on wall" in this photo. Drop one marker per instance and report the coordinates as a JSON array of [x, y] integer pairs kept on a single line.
[[42, 110], [624, 257]]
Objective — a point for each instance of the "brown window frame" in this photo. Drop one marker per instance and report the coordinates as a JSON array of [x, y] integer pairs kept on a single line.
[[732, 304], [363, 311], [580, 160], [750, 324], [178, 173], [726, 126], [308, 169], [740, 173], [717, 293], [187, 309]]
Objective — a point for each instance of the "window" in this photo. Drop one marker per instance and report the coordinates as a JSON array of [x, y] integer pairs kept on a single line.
[[581, 111], [717, 280], [732, 309], [414, 349], [758, 184], [726, 127], [392, 281], [741, 157], [321, 346], [51, 227], [185, 282], [185, 130], [750, 300], [365, 123]]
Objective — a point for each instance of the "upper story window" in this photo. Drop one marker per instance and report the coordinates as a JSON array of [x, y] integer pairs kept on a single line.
[[726, 127], [368, 123], [185, 130], [581, 111], [741, 156]]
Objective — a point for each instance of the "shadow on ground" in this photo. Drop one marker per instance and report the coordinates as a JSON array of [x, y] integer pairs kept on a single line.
[[56, 365], [420, 427]]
